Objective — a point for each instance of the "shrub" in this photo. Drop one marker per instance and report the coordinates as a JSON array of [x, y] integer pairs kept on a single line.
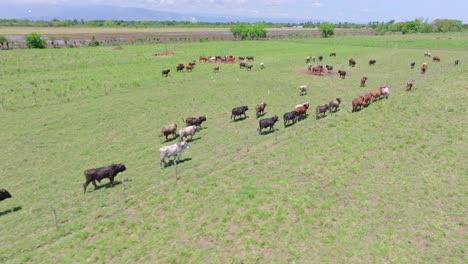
[[35, 41], [327, 29]]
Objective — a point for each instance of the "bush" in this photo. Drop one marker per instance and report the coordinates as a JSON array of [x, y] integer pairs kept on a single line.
[[327, 29], [35, 41], [94, 42]]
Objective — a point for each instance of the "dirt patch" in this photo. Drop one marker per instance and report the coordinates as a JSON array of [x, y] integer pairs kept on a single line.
[[164, 54], [118, 48], [325, 73]]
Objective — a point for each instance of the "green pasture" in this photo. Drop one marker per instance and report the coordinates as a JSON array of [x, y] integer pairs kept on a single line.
[[387, 184]]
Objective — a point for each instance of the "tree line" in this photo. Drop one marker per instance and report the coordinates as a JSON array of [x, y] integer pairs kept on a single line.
[[418, 26]]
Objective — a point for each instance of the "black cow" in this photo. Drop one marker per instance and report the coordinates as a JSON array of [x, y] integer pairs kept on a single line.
[[320, 58], [372, 62], [456, 62], [290, 116], [4, 194], [267, 122], [412, 65], [165, 73], [93, 175], [194, 121], [342, 73], [243, 64], [329, 67], [238, 111], [352, 62], [180, 67], [321, 109], [249, 67], [333, 54]]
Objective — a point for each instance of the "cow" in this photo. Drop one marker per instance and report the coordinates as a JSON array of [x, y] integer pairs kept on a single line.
[[367, 99], [267, 122], [307, 59], [238, 111], [363, 81], [329, 68], [4, 194], [180, 67], [385, 90], [321, 109], [290, 116], [166, 72], [110, 171], [309, 67], [301, 109], [171, 150], [427, 54], [436, 58], [303, 89], [262, 66], [216, 69], [317, 69], [259, 109], [342, 74], [352, 62], [376, 94], [168, 130], [334, 104], [188, 131], [412, 65], [202, 58], [423, 68], [456, 62], [194, 121], [357, 103], [243, 64], [192, 63], [248, 67], [189, 68], [250, 58], [409, 85], [320, 58], [333, 54], [372, 62]]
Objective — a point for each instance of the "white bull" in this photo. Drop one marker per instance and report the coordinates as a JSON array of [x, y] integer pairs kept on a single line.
[[171, 150], [188, 131]]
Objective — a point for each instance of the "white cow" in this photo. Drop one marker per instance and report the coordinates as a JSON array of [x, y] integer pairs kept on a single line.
[[188, 131], [171, 150], [303, 89]]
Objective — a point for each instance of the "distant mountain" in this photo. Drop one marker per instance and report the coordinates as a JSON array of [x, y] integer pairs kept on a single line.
[[103, 12]]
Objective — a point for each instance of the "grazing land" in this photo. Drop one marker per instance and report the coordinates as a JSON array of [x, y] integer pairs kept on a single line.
[[383, 185]]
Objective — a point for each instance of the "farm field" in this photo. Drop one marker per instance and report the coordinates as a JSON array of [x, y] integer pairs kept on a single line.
[[386, 184]]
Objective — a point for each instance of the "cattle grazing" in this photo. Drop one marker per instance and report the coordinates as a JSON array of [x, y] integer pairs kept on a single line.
[[171, 150], [436, 58], [301, 109], [238, 111], [216, 69], [321, 109], [317, 70], [320, 58], [4, 194], [307, 59], [367, 98], [333, 54], [456, 62], [109, 172], [194, 121], [385, 91], [248, 67], [166, 72], [189, 68], [267, 122], [243, 64], [329, 68], [188, 131], [412, 65], [262, 65], [342, 74], [409, 85], [192, 63], [241, 58], [290, 116], [334, 104], [250, 58], [427, 54], [352, 62], [376, 94], [303, 89], [363, 81], [259, 109], [372, 62], [202, 58], [168, 130], [309, 67], [357, 103], [180, 67], [423, 68]]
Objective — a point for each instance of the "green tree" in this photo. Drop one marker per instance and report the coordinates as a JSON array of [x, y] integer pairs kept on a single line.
[[327, 29], [35, 41], [3, 42]]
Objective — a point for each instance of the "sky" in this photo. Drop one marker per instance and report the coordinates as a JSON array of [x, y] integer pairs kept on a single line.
[[325, 10]]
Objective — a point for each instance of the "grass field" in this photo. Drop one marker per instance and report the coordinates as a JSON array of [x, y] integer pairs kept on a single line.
[[387, 184]]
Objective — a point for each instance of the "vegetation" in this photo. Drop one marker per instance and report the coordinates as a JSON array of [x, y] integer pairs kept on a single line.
[[383, 185], [35, 41], [3, 42], [327, 30], [243, 31], [417, 26]]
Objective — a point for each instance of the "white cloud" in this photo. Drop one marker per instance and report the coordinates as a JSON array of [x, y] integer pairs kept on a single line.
[[316, 4]]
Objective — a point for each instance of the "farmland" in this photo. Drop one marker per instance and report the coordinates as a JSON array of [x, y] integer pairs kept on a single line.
[[385, 184]]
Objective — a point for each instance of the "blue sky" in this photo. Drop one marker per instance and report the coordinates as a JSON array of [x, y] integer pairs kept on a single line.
[[325, 10]]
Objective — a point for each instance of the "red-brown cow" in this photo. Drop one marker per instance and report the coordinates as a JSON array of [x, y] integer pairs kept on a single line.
[[301, 109], [260, 108], [357, 103], [409, 85], [367, 98], [436, 58], [363, 81], [423, 68]]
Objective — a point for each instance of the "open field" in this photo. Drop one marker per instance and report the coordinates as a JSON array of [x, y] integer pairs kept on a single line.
[[387, 184]]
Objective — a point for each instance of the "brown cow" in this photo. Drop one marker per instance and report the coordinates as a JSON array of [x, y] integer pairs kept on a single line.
[[363, 81], [423, 68], [409, 85], [357, 103], [260, 108], [376, 94], [189, 68], [367, 98], [301, 109], [436, 58], [168, 130], [216, 69]]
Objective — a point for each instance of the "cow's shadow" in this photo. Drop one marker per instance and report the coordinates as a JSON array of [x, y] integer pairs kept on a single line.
[[335, 110], [172, 163], [192, 140], [239, 119], [171, 139], [260, 115], [268, 131], [107, 185], [12, 210], [320, 117], [290, 124]]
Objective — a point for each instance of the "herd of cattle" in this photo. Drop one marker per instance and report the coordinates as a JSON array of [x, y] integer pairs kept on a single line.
[[193, 124]]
